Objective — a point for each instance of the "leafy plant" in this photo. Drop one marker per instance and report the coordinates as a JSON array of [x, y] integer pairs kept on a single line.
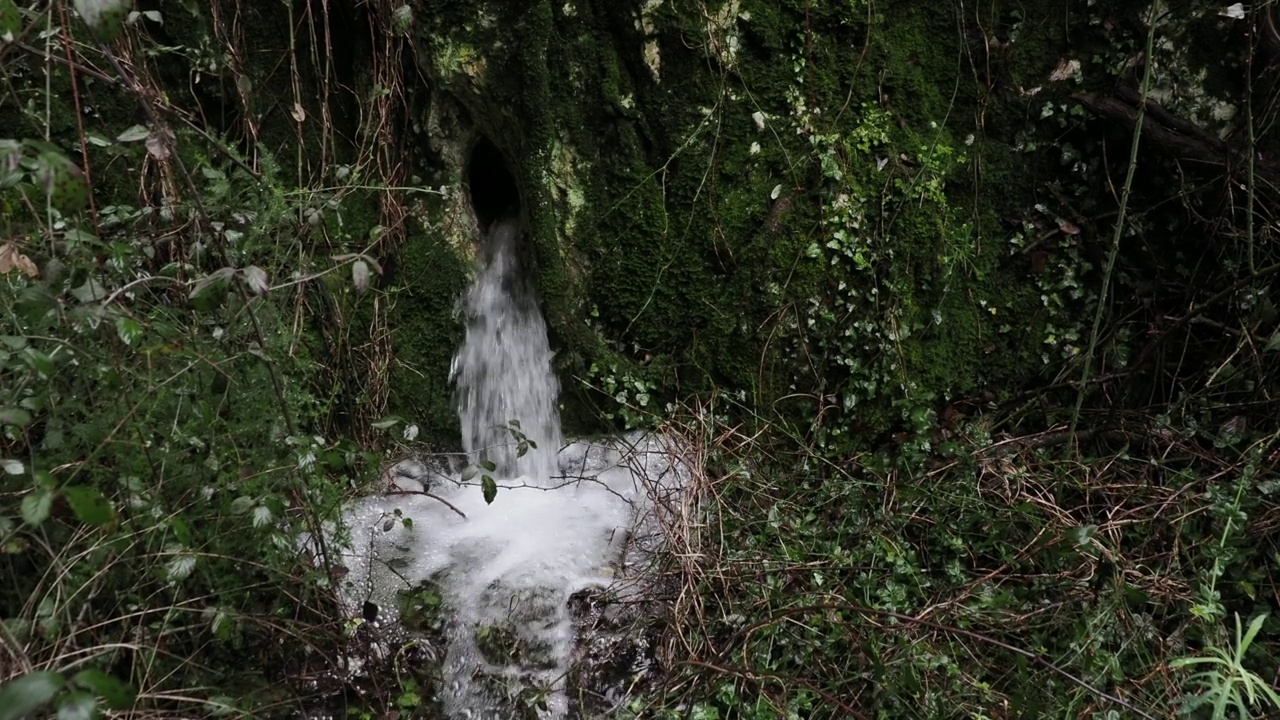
[[1225, 683]]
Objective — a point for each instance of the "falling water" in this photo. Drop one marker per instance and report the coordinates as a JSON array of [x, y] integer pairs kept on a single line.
[[502, 374], [558, 524]]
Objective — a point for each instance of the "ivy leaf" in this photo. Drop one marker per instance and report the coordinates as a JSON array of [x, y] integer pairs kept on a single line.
[[490, 488], [35, 508], [89, 505], [117, 694], [28, 693]]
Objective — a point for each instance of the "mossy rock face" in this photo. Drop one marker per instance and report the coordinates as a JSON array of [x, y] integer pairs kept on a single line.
[[674, 197]]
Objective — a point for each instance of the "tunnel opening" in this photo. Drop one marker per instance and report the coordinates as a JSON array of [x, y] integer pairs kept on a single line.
[[494, 193]]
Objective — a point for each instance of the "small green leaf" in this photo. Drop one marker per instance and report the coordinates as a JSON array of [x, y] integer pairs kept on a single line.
[[28, 694], [12, 467], [489, 465], [469, 473], [490, 489], [36, 506], [89, 505], [117, 694], [386, 422]]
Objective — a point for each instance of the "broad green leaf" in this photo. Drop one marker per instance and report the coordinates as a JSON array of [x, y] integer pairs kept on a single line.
[[24, 696], [36, 506], [38, 361], [89, 505], [489, 465], [262, 516], [117, 694], [469, 473], [90, 291], [134, 134], [12, 467], [215, 278], [386, 422], [78, 706], [10, 21], [490, 489], [14, 416], [34, 303], [179, 567], [128, 329]]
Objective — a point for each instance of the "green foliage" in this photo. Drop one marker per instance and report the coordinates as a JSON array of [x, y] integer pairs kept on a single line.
[[174, 431], [1226, 683]]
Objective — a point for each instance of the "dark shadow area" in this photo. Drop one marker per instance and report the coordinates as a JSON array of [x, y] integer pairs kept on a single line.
[[494, 194]]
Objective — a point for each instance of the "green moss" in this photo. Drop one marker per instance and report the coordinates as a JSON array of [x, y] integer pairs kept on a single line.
[[427, 277]]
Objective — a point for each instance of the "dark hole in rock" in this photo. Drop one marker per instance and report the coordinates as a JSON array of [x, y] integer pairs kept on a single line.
[[494, 194]]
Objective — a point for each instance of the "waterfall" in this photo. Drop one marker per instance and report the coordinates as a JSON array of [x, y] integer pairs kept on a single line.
[[502, 374], [504, 573]]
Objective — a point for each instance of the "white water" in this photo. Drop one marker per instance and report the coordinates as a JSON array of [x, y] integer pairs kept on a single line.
[[558, 524], [503, 371]]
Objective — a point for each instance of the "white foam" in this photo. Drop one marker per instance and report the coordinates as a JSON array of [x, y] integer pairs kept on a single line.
[[557, 525], [513, 563]]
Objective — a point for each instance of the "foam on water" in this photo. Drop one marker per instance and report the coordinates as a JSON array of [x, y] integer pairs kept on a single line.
[[557, 525]]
